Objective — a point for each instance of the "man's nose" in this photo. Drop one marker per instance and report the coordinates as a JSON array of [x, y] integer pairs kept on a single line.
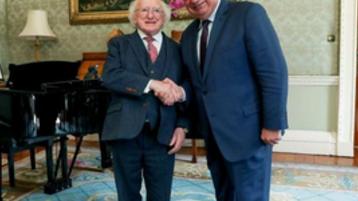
[[150, 14]]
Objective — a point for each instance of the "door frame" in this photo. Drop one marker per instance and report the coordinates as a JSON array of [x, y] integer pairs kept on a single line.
[[347, 78]]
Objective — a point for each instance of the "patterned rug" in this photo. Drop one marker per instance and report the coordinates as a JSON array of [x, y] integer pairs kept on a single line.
[[290, 182]]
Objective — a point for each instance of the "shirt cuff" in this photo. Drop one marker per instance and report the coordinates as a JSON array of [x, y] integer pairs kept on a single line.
[[184, 95], [147, 88]]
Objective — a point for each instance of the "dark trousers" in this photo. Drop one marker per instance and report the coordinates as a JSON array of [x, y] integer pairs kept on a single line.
[[244, 180], [142, 157]]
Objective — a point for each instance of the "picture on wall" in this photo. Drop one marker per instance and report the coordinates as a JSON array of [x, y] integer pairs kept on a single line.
[[110, 11]]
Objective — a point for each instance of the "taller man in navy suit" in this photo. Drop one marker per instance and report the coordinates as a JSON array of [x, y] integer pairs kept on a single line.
[[142, 125], [239, 77]]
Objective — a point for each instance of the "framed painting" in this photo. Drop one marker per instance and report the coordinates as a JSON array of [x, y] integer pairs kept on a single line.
[[110, 11]]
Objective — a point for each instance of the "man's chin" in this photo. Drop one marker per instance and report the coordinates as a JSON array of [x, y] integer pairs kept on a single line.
[[198, 14], [151, 31]]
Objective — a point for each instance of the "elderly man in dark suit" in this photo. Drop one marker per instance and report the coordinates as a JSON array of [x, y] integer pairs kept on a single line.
[[143, 126], [239, 78]]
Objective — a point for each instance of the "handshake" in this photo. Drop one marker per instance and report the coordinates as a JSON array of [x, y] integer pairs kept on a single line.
[[167, 91]]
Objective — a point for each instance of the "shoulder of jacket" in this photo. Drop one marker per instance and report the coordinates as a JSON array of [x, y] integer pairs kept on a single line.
[[191, 28], [172, 42]]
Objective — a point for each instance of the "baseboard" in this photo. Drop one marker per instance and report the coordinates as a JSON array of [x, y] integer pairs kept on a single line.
[[308, 142]]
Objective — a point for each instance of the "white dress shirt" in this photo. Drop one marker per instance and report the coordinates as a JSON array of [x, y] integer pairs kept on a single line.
[[211, 18], [157, 42]]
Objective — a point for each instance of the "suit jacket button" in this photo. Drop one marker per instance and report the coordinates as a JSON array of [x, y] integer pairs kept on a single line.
[[152, 72]]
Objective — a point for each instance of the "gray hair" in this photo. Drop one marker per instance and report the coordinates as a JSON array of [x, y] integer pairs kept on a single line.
[[133, 6]]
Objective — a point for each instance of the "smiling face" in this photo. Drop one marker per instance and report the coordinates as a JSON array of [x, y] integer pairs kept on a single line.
[[149, 16], [201, 9]]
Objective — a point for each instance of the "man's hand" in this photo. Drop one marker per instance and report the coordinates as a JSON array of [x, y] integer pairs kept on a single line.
[[177, 140], [163, 91], [167, 91], [270, 136], [177, 91]]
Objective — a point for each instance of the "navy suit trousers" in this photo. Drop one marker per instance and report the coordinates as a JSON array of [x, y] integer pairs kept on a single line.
[[243, 180], [143, 157]]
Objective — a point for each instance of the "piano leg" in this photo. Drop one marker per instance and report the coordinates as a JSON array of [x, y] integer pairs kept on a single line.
[[63, 151], [55, 185], [79, 141], [49, 162], [33, 158], [10, 159]]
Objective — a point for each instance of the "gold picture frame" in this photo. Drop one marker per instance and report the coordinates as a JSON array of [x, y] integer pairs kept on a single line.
[[100, 11]]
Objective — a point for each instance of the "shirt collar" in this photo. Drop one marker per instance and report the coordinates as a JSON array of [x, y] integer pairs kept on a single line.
[[158, 37], [212, 16]]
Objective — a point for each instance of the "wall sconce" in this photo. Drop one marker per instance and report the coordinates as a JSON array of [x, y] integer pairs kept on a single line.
[[37, 28]]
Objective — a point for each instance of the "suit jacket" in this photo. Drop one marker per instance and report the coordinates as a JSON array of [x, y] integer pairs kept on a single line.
[[126, 74], [244, 84]]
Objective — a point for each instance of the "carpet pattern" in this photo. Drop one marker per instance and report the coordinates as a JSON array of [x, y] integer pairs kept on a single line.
[[290, 182]]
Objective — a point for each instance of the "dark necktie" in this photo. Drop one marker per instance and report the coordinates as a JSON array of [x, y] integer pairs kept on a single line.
[[203, 43], [152, 50]]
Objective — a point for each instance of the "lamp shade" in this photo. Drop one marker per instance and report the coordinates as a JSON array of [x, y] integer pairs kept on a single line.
[[37, 26]]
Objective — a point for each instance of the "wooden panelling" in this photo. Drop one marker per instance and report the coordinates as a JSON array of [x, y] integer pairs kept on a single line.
[[91, 59]]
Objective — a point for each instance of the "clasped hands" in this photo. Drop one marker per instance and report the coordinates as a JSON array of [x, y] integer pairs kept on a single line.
[[167, 91]]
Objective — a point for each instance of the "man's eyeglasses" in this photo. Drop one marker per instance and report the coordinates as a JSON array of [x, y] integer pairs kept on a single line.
[[154, 11]]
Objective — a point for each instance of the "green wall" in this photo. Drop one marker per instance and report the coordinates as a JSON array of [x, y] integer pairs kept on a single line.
[[313, 108], [303, 27]]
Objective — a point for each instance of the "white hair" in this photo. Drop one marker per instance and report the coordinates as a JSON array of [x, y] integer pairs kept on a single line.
[[133, 6]]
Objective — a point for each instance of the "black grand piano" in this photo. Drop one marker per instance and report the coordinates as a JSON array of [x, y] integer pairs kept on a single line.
[[45, 102]]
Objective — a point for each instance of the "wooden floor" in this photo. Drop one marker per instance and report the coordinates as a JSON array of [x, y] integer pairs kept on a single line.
[[277, 157], [302, 158], [316, 159]]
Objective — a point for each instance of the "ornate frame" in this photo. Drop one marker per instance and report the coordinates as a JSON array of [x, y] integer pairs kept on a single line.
[[96, 17], [77, 17]]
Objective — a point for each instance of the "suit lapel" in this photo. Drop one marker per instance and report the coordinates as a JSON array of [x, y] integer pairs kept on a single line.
[[168, 54], [139, 50], [214, 35]]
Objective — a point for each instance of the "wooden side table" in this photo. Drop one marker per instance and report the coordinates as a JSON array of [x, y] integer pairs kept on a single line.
[[2, 84]]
